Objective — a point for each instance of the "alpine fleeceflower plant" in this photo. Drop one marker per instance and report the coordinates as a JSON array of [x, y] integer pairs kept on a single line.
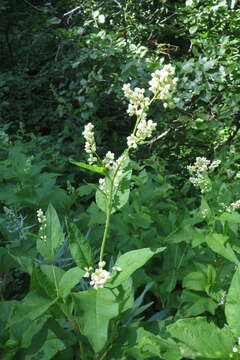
[[200, 170], [162, 85]]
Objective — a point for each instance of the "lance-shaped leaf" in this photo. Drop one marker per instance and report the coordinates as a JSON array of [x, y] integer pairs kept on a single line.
[[218, 243], [94, 310], [232, 304], [97, 169], [130, 262], [80, 249], [54, 235]]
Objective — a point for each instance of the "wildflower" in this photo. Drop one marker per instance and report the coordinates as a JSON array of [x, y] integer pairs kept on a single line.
[[88, 271], [235, 349], [108, 161], [90, 145], [144, 131], [163, 84], [200, 170], [100, 276], [41, 217], [117, 268], [138, 103], [233, 206]]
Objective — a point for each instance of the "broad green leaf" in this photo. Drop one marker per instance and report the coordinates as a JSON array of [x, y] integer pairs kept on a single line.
[[47, 277], [94, 310], [200, 339], [69, 280], [54, 233], [197, 278], [193, 304], [49, 349], [30, 308], [8, 354], [130, 262], [6, 310], [97, 169], [233, 304], [80, 249], [33, 329], [218, 243]]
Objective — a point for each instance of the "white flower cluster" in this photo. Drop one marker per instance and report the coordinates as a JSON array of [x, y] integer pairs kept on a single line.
[[108, 161], [43, 221], [41, 217], [116, 166], [200, 170], [90, 145], [138, 103], [144, 131], [233, 206], [236, 349], [99, 277], [162, 85]]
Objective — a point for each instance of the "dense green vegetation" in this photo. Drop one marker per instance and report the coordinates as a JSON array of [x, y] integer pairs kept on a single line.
[[165, 216]]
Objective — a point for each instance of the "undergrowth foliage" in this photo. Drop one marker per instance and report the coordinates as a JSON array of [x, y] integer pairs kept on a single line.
[[134, 252]]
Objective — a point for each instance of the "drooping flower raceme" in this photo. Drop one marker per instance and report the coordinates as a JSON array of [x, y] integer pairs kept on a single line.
[[99, 276], [90, 145], [200, 170]]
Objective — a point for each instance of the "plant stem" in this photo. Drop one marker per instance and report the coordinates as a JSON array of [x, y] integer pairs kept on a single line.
[[109, 211]]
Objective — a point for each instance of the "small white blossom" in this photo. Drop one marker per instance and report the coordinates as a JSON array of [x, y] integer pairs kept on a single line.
[[88, 271], [99, 278], [233, 206], [235, 349], [117, 268]]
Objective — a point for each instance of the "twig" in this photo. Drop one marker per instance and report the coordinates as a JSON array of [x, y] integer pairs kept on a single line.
[[160, 136], [34, 7], [71, 11], [230, 138]]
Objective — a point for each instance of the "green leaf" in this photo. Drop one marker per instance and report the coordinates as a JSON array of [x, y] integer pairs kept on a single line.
[[54, 21], [94, 310], [193, 29], [193, 304], [49, 349], [97, 169], [80, 249], [130, 262], [54, 233], [47, 277], [232, 304], [197, 278], [218, 243], [30, 308], [69, 280], [200, 339]]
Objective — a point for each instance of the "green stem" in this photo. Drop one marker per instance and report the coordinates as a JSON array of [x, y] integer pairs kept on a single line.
[[109, 211]]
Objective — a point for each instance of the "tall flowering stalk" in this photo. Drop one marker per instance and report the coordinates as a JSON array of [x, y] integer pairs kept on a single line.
[[162, 85]]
